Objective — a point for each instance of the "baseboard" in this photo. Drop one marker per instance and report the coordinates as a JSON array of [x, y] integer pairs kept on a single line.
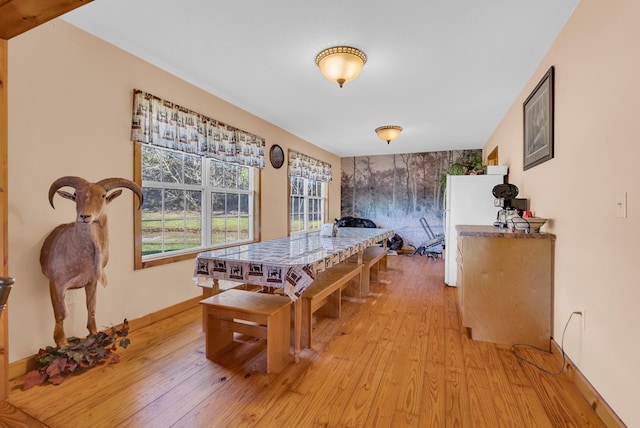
[[595, 400], [20, 367]]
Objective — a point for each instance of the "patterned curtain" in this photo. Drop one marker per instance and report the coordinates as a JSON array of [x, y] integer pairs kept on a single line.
[[305, 166], [165, 124]]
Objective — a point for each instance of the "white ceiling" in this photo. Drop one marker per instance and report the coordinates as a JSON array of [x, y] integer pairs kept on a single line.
[[444, 70]]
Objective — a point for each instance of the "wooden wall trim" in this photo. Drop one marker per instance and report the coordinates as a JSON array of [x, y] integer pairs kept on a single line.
[[4, 143], [18, 368], [18, 16], [595, 400]]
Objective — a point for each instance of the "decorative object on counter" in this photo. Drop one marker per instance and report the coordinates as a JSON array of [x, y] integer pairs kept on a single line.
[[6, 283], [74, 255], [388, 133], [538, 122], [528, 225], [341, 64], [55, 364]]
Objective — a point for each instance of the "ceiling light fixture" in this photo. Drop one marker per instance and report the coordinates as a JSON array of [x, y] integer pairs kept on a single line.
[[388, 132], [341, 64]]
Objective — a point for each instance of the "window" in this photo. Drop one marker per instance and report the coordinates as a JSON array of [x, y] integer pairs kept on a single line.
[[191, 203], [307, 201]]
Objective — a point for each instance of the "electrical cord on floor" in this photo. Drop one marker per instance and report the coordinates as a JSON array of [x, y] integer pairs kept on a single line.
[[513, 351]]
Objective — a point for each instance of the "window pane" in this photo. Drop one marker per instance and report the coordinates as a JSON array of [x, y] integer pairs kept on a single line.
[[244, 205], [151, 170], [232, 229], [193, 216], [218, 230], [193, 202], [232, 204], [152, 221], [299, 186], [230, 179], [218, 204], [243, 178], [173, 202], [172, 167], [244, 230], [174, 220], [193, 170], [216, 174]]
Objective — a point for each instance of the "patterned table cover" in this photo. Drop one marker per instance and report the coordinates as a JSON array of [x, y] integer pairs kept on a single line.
[[290, 263]]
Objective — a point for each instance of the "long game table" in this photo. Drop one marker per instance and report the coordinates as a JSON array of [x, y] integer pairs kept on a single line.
[[289, 263]]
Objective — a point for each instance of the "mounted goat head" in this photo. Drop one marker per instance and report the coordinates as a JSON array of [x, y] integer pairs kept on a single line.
[[74, 254]]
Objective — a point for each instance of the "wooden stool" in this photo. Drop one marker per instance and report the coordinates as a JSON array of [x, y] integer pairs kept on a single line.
[[265, 316]]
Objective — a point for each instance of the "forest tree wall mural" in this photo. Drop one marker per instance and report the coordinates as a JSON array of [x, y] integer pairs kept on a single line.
[[396, 191]]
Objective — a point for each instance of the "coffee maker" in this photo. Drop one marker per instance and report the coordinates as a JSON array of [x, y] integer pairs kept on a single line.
[[510, 206]]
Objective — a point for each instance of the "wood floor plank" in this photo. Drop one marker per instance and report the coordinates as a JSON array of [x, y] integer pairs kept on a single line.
[[558, 389], [397, 357], [527, 402], [501, 390], [11, 416]]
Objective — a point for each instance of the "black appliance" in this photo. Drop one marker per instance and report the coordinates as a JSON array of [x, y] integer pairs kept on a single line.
[[505, 198]]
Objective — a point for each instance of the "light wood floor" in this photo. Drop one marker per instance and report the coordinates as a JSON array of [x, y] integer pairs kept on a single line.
[[398, 358]]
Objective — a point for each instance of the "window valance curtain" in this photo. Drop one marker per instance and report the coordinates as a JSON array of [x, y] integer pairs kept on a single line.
[[305, 166], [162, 123]]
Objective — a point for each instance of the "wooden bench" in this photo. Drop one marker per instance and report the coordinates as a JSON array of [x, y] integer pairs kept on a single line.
[[265, 316], [208, 290], [374, 259], [324, 295]]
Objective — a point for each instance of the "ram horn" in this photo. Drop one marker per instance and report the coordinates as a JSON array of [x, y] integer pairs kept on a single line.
[[114, 183], [69, 180]]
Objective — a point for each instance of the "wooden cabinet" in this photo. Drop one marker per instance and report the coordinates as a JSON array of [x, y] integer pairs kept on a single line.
[[505, 283]]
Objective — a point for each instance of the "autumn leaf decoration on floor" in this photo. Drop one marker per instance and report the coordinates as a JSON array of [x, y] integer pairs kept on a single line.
[[55, 364]]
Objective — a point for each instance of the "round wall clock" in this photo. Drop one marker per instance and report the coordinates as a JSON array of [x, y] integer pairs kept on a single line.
[[276, 156]]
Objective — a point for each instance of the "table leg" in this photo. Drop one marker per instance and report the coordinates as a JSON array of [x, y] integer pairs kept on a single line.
[[208, 292], [297, 328], [364, 276]]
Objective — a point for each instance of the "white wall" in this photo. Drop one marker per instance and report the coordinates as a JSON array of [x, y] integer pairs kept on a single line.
[[597, 150], [70, 98]]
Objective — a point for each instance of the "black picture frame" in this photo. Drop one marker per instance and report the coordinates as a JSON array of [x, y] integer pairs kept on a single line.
[[276, 156], [538, 122]]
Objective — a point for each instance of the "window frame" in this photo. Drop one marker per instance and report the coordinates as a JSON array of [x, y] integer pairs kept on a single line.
[[158, 260]]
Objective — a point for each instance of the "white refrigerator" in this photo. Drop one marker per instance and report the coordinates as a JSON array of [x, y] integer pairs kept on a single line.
[[469, 200]]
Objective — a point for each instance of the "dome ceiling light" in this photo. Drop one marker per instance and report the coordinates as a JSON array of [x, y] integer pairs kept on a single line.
[[341, 64], [388, 133]]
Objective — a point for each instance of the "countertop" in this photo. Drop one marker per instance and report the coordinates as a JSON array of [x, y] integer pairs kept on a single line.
[[500, 232]]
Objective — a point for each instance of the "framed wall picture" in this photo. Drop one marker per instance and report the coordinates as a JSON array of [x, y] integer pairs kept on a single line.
[[276, 156], [538, 123]]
